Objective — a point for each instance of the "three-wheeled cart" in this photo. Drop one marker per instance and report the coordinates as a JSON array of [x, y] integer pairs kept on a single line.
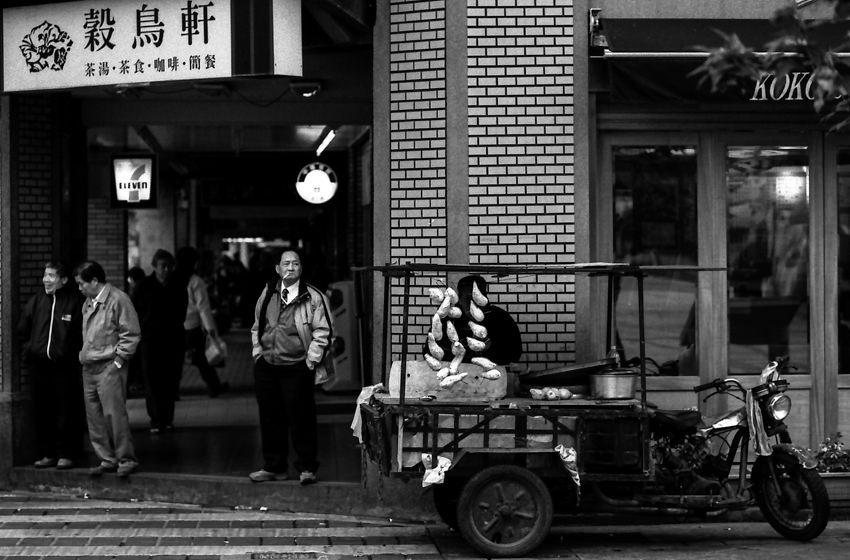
[[514, 461]]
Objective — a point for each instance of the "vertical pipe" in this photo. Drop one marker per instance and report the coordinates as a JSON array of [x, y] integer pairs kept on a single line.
[[402, 382], [610, 312], [642, 335], [386, 346]]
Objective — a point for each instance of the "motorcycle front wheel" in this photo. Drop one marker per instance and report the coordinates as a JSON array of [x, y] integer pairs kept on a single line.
[[797, 504]]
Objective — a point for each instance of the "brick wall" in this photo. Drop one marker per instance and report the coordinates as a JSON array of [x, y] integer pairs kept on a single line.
[[32, 154], [417, 143], [107, 239], [521, 184]]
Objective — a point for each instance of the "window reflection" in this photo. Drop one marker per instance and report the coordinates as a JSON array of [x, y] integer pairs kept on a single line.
[[844, 260], [768, 227], [655, 223]]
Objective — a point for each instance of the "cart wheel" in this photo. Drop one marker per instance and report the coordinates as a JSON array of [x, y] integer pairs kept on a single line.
[[445, 501], [504, 510]]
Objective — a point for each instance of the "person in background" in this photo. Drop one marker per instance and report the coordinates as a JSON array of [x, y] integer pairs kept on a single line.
[[199, 322], [110, 338], [161, 302], [135, 380], [51, 328], [290, 336]]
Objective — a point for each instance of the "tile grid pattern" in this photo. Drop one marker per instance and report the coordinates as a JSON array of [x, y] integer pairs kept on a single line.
[[417, 149], [521, 110]]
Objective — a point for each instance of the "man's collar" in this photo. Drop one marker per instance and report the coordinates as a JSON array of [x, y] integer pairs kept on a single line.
[[291, 291], [101, 295]]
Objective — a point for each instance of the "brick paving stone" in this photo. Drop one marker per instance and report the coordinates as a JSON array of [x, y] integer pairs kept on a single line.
[[17, 525], [175, 541], [140, 541], [106, 541], [30, 511], [339, 523], [51, 524], [36, 541], [244, 541], [9, 541], [346, 540], [181, 523], [82, 524], [113, 524], [312, 540], [208, 541], [214, 524], [372, 541], [71, 541], [285, 541], [278, 524], [249, 524], [148, 524], [310, 523]]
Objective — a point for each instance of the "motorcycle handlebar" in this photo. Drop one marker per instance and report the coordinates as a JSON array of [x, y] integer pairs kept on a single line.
[[706, 386]]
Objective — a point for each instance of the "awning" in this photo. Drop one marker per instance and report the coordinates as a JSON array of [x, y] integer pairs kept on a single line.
[[634, 37]]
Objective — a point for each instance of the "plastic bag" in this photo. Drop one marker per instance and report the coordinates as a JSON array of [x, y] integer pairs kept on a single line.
[[215, 351]]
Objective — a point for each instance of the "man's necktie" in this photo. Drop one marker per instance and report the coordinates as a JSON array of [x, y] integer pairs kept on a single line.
[[285, 295]]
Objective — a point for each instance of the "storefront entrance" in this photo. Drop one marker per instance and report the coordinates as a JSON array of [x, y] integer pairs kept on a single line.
[[774, 214]]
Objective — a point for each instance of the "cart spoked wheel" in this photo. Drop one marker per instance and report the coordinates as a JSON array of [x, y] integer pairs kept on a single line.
[[445, 500], [504, 511]]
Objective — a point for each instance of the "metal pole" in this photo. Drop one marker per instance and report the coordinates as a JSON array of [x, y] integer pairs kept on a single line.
[[609, 319], [642, 335], [402, 382], [386, 346]]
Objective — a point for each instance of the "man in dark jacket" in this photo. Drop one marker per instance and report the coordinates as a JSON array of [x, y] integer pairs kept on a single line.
[[161, 304], [51, 330]]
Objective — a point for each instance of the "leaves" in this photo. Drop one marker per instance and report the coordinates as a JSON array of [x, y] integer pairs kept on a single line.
[[735, 65]]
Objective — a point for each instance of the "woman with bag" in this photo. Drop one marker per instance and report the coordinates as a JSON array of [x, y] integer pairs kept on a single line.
[[200, 326]]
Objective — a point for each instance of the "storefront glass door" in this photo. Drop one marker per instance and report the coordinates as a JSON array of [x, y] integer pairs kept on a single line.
[[654, 222], [767, 190]]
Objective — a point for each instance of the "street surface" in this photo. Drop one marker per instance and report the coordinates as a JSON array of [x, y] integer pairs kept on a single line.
[[41, 525]]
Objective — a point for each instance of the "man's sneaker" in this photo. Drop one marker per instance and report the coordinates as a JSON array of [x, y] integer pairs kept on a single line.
[[45, 462], [124, 469], [307, 477], [155, 431], [64, 464], [103, 468], [263, 475]]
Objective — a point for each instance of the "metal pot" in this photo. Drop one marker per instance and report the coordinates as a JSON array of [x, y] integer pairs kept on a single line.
[[614, 384]]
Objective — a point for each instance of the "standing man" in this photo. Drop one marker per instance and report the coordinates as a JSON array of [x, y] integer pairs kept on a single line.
[[290, 336], [110, 337], [51, 327], [161, 302]]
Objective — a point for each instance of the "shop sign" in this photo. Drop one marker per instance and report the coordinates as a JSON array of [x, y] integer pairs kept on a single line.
[[794, 86], [134, 181], [80, 44]]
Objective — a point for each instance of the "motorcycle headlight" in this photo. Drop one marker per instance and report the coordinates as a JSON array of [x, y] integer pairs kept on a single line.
[[779, 406]]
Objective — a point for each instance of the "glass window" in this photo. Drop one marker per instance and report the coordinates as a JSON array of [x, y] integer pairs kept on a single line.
[[768, 255], [844, 260], [655, 224]]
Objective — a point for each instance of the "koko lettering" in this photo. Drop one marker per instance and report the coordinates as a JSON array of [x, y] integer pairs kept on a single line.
[[796, 86]]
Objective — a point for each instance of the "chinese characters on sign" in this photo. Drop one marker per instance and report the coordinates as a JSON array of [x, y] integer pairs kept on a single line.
[[107, 42]]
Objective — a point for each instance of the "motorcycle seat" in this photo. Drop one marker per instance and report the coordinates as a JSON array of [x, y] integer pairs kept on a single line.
[[676, 420]]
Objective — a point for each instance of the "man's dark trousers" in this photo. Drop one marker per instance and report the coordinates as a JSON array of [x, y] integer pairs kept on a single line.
[[287, 407], [59, 411]]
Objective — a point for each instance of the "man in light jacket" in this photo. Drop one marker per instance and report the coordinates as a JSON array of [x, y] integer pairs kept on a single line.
[[111, 335], [291, 333]]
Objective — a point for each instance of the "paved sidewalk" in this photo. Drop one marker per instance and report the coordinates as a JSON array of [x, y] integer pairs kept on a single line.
[[39, 525]]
